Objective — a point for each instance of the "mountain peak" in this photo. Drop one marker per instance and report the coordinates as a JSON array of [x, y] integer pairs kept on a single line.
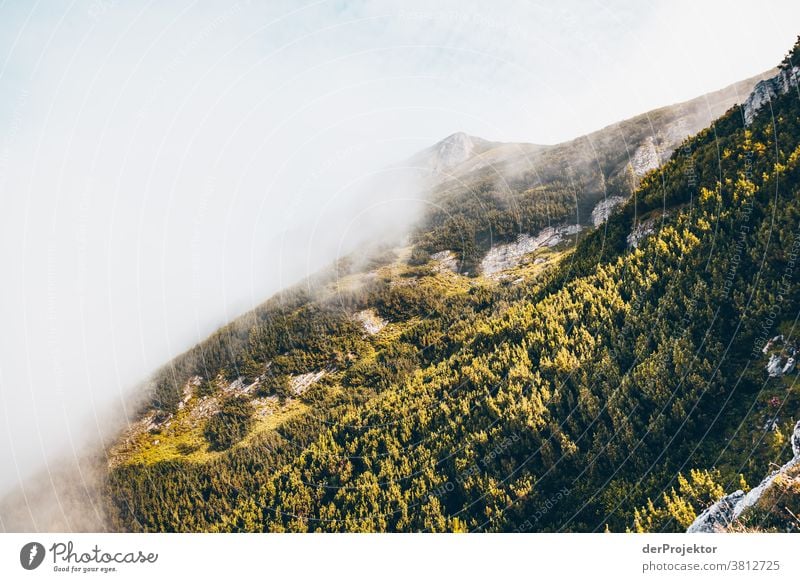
[[456, 137], [453, 150]]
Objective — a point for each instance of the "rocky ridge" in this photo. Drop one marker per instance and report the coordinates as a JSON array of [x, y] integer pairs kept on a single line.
[[768, 89], [720, 516]]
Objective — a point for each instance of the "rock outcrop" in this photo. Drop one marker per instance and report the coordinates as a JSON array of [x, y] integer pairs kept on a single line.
[[724, 512], [303, 382], [506, 256], [642, 230], [782, 356], [370, 321], [604, 208], [719, 516], [446, 261], [774, 366], [646, 157], [768, 89], [452, 151]]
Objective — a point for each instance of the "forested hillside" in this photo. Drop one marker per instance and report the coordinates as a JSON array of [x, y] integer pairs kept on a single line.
[[503, 190], [611, 381]]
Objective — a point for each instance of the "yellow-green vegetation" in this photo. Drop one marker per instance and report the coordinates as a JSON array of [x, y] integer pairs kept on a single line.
[[534, 265], [778, 508], [607, 387], [183, 439], [678, 507]]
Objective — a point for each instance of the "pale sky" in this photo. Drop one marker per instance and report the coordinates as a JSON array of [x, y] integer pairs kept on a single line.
[[153, 153]]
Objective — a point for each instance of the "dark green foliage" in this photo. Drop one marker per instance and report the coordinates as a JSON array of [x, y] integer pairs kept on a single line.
[[275, 385], [793, 57], [230, 424], [167, 392], [401, 302], [419, 256], [469, 223], [207, 388]]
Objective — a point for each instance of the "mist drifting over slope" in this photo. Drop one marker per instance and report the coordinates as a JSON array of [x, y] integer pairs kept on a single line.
[[165, 169], [155, 192]]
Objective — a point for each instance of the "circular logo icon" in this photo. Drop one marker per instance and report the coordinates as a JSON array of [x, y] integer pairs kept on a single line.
[[31, 555]]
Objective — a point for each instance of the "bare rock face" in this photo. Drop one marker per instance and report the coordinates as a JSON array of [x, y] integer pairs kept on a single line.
[[454, 149], [303, 382], [774, 366], [725, 511], [445, 261], [506, 256], [646, 157], [782, 356], [188, 390], [767, 90], [604, 208], [370, 321], [641, 231], [719, 516]]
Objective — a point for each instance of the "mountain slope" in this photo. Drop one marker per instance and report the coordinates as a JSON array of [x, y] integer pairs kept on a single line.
[[615, 383], [504, 190]]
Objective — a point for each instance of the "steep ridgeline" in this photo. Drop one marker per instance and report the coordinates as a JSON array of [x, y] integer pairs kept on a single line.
[[620, 382], [488, 193]]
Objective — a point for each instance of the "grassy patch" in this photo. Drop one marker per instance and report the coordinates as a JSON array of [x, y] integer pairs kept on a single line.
[[183, 440]]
